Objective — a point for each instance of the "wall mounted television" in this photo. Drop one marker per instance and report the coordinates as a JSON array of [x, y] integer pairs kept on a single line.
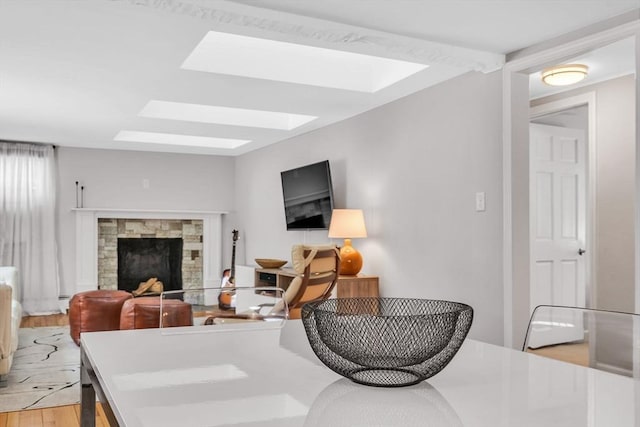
[[308, 196]]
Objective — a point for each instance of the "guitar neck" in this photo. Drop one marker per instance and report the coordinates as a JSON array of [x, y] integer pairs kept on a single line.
[[232, 274]]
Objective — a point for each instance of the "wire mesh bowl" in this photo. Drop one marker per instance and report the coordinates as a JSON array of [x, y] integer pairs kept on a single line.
[[386, 342]]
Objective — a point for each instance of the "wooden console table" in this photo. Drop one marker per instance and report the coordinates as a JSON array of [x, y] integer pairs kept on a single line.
[[358, 286], [347, 287]]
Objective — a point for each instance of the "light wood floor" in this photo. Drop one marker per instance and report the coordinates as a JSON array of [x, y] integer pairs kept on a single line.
[[41, 321], [578, 354], [59, 416]]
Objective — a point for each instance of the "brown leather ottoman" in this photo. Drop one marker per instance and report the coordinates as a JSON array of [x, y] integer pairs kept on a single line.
[[97, 310], [144, 312]]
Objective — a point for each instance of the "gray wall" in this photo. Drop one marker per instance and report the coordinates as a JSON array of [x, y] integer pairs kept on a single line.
[[615, 128], [414, 167], [114, 179]]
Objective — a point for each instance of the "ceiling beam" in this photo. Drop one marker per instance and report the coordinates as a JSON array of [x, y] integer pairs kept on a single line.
[[227, 16]]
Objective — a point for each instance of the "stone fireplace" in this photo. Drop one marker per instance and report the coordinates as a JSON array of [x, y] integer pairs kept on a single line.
[[98, 231], [131, 251]]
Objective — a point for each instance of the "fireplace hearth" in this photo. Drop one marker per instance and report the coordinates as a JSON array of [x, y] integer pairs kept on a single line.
[[140, 259]]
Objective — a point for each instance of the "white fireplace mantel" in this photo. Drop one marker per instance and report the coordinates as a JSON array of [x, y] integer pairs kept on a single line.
[[87, 240]]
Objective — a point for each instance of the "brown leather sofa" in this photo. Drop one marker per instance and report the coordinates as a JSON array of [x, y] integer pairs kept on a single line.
[[93, 311], [144, 312]]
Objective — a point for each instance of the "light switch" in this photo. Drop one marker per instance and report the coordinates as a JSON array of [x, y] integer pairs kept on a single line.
[[145, 183], [480, 202]]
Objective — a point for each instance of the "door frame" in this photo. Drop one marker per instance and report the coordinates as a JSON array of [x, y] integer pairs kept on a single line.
[[588, 99], [515, 81]]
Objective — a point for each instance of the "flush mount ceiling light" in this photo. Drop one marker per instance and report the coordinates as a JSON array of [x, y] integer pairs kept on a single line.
[[253, 57], [175, 139], [563, 75], [224, 115]]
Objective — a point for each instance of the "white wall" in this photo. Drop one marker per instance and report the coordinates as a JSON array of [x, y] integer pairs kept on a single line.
[[414, 166], [615, 128], [516, 289], [114, 179]]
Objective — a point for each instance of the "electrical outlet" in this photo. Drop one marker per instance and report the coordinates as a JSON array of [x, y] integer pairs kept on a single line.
[[480, 202]]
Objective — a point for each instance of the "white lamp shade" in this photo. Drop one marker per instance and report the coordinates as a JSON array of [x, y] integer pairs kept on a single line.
[[347, 224]]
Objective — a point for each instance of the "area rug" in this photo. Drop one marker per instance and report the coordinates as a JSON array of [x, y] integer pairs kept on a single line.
[[45, 371]]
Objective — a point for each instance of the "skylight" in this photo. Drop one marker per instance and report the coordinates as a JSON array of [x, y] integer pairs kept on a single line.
[[176, 139], [245, 56], [224, 115]]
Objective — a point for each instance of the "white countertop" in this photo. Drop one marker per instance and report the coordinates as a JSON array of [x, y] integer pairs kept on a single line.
[[195, 377]]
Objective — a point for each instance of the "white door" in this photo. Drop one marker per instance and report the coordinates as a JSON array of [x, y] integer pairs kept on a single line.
[[558, 228]]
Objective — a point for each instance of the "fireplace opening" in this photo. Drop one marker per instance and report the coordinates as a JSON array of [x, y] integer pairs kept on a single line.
[[140, 259]]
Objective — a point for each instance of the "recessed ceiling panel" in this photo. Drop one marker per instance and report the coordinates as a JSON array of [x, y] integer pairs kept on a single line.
[[175, 139], [245, 56], [224, 115]]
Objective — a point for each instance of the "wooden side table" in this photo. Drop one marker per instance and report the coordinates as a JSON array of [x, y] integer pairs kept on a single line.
[[358, 286]]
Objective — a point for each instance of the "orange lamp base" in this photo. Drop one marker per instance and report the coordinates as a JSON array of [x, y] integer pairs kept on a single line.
[[350, 259]]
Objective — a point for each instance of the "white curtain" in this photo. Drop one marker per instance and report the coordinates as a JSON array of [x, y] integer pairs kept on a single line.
[[27, 222]]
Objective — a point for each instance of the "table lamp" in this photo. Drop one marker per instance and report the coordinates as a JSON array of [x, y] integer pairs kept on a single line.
[[348, 224]]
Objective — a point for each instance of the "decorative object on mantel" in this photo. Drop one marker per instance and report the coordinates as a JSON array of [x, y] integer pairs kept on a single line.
[[152, 286], [270, 262], [386, 342], [80, 197], [348, 224]]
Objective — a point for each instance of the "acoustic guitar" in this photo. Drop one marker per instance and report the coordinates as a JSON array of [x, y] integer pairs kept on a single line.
[[225, 299]]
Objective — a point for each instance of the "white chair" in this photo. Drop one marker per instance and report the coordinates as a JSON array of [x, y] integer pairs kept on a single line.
[[600, 339], [10, 317]]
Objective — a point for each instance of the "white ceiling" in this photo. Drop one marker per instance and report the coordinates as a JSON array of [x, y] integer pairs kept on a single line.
[[76, 73]]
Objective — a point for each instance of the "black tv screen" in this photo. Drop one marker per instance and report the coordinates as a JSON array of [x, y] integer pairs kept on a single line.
[[308, 197]]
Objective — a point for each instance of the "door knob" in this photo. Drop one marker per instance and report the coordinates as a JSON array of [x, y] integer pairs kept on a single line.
[[581, 251]]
